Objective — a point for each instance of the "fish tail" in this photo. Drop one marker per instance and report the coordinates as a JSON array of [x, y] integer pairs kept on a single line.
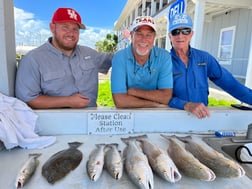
[[141, 138], [111, 146], [125, 140], [74, 144], [35, 155], [138, 137], [184, 139], [101, 145], [167, 137]]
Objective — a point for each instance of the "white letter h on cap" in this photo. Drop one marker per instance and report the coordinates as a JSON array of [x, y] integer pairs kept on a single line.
[[72, 14]]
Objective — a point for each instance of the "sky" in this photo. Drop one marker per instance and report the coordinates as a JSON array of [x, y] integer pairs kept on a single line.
[[32, 19]]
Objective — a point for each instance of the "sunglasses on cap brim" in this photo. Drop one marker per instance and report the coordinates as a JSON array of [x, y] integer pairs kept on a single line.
[[184, 31]]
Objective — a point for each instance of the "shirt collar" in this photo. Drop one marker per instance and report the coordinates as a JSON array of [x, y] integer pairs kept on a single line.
[[174, 54]]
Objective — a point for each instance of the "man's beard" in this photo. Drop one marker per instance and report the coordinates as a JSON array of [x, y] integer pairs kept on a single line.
[[63, 46], [141, 53]]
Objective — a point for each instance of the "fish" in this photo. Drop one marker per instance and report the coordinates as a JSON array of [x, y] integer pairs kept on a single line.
[[221, 165], [95, 162], [113, 161], [62, 162], [186, 162], [159, 160], [136, 164], [27, 170]]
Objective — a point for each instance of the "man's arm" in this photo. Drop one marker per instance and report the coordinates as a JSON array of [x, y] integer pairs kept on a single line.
[[161, 96], [47, 102], [137, 98]]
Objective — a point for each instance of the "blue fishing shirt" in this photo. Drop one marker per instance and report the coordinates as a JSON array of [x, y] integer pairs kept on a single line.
[[190, 84]]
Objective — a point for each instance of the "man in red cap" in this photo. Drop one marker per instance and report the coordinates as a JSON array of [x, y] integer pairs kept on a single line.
[[61, 73]]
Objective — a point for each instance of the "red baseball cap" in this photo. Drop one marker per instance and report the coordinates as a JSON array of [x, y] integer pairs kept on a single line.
[[67, 15]]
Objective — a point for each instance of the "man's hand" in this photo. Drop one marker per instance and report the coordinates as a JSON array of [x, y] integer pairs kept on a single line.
[[78, 101], [198, 109]]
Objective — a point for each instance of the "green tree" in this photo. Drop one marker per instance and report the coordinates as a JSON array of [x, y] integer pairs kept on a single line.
[[108, 45]]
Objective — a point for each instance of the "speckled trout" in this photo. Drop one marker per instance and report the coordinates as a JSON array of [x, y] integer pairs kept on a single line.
[[136, 164], [113, 161], [27, 170], [186, 162], [221, 165], [159, 160], [95, 162]]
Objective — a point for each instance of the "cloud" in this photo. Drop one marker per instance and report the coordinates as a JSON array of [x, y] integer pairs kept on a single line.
[[32, 32]]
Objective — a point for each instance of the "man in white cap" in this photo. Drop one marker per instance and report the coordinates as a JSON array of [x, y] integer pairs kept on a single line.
[[142, 73], [193, 67], [61, 73]]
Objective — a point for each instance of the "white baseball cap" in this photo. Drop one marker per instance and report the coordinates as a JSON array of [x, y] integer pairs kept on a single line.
[[143, 21]]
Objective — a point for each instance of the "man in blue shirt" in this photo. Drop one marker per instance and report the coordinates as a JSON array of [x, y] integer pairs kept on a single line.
[[142, 74], [193, 67]]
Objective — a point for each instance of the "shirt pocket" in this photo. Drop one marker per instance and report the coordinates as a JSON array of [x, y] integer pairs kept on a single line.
[[200, 77], [87, 69], [54, 83], [47, 77]]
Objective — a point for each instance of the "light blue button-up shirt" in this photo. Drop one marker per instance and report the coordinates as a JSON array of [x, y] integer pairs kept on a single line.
[[155, 74]]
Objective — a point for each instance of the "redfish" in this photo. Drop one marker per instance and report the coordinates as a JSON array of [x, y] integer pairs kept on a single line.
[[186, 162], [159, 160], [221, 165], [136, 164]]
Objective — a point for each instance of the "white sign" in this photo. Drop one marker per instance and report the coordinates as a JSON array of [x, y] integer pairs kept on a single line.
[[178, 7], [110, 122]]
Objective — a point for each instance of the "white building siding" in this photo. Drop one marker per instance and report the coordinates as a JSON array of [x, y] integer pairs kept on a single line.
[[241, 18]]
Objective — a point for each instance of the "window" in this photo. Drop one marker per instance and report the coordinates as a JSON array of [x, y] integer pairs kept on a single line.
[[226, 44]]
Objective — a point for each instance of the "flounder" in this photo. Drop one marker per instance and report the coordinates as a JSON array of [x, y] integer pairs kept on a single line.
[[61, 163]]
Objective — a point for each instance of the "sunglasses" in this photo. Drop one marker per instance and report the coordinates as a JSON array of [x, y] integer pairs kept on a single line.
[[184, 31]]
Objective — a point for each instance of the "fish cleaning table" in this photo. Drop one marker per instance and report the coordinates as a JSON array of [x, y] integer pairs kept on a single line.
[[11, 162], [93, 126]]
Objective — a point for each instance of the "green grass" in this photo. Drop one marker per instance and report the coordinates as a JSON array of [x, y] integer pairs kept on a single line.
[[220, 102], [105, 97], [104, 94]]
